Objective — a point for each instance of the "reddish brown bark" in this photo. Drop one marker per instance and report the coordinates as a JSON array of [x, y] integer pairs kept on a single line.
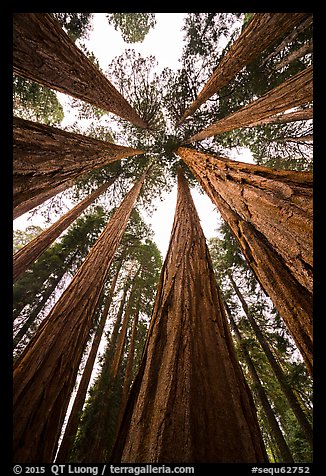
[[44, 53], [46, 157], [279, 374], [189, 402], [284, 451], [262, 31], [30, 252], [270, 213], [46, 372], [295, 91], [301, 115], [72, 424]]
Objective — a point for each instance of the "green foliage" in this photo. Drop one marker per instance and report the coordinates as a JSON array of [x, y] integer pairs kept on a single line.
[[77, 25], [34, 102], [133, 26]]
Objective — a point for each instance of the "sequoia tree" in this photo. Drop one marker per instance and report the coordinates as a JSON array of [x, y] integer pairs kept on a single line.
[[176, 412], [295, 91], [44, 53], [262, 31], [270, 213], [30, 252], [44, 375], [72, 424], [46, 157]]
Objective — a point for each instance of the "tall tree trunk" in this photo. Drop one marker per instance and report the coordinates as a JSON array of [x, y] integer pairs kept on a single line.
[[285, 453], [45, 157], [289, 38], [301, 115], [302, 51], [97, 448], [262, 31], [37, 200], [129, 365], [295, 91], [72, 424], [189, 402], [46, 372], [302, 139], [44, 53], [270, 213], [30, 252], [286, 388]]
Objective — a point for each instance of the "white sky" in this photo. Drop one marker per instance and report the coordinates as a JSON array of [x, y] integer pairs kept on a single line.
[[165, 42]]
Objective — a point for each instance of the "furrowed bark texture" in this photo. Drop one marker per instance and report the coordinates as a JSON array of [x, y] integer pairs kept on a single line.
[[285, 453], [270, 213], [30, 252], [262, 31], [189, 402], [46, 157], [33, 202], [44, 53], [74, 417], [46, 372], [295, 91]]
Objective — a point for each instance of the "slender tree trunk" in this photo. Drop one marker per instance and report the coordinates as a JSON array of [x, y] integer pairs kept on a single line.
[[302, 51], [37, 200], [72, 424], [301, 115], [286, 388], [189, 402], [97, 448], [46, 372], [270, 213], [30, 252], [46, 157], [289, 38], [295, 91], [129, 366], [302, 139], [262, 31], [44, 53], [285, 453]]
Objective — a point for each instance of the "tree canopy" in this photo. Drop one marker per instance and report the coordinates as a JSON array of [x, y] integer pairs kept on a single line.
[[160, 96]]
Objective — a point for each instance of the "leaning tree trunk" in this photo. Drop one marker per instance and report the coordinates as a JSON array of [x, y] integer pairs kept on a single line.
[[295, 91], [263, 30], [97, 448], [284, 451], [270, 213], [44, 53], [46, 157], [30, 252], [289, 38], [286, 388], [300, 115], [72, 424], [302, 51], [37, 200], [46, 372], [189, 402]]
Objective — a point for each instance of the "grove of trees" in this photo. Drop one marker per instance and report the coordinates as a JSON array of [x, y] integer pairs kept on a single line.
[[123, 355]]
